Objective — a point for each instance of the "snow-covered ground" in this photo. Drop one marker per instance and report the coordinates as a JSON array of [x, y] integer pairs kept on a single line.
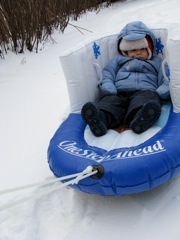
[[33, 102]]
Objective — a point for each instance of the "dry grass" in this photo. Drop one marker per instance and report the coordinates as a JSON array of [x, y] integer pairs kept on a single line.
[[26, 23]]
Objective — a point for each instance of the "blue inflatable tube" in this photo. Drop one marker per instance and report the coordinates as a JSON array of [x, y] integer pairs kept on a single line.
[[126, 170]]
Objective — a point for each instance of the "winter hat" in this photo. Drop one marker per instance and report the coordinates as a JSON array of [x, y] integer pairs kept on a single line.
[[126, 45]]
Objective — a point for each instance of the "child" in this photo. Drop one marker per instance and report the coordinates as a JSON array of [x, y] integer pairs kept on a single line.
[[133, 85]]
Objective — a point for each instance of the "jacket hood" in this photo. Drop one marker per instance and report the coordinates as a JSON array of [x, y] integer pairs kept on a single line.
[[134, 31]]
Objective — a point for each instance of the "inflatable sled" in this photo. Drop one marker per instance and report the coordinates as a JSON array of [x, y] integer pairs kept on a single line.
[[126, 162]]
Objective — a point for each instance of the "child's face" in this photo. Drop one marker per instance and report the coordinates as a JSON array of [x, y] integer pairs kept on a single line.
[[138, 53]]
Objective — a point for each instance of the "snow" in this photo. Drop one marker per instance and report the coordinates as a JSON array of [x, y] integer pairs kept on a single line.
[[33, 102]]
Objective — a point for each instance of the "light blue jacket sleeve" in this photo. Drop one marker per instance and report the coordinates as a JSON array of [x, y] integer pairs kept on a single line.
[[107, 85]]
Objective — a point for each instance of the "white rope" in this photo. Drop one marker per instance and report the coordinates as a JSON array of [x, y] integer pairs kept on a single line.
[[79, 176], [38, 184]]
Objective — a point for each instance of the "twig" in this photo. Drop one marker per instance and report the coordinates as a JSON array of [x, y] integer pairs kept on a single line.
[[78, 28]]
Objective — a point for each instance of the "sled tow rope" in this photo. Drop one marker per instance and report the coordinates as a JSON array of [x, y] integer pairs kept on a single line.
[[75, 178]]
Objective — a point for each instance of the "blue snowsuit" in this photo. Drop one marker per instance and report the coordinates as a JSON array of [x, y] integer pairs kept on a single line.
[[129, 83]]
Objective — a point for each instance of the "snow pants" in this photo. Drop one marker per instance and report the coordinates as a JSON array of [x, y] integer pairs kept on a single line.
[[122, 108]]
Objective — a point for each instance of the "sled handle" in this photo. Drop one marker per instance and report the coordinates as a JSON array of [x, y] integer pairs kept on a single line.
[[165, 69], [98, 71]]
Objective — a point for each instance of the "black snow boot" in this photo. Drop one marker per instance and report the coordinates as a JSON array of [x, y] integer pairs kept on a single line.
[[95, 118], [146, 117]]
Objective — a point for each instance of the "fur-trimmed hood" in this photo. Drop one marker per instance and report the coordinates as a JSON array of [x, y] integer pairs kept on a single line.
[[134, 31]]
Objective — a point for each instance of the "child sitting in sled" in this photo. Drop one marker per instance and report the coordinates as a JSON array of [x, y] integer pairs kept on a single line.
[[132, 86]]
